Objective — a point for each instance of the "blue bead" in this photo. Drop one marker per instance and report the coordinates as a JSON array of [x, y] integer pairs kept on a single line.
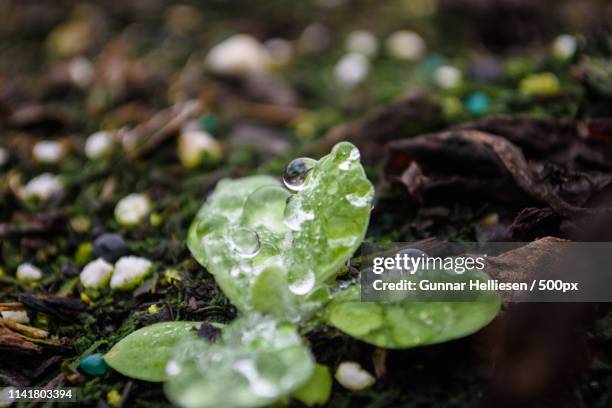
[[209, 123], [477, 103], [93, 364], [110, 247]]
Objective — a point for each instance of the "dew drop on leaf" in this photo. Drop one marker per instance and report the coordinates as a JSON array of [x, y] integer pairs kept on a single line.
[[295, 215], [296, 172], [302, 284], [244, 241]]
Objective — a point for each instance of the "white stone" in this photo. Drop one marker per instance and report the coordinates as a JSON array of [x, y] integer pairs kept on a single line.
[[6, 399], [99, 144], [280, 50], [96, 274], [19, 316], [406, 45], [239, 54], [43, 187], [447, 77], [564, 46], [130, 271], [48, 151], [352, 69], [351, 376], [132, 209], [315, 38], [194, 146], [3, 156], [362, 42], [81, 72], [27, 272]]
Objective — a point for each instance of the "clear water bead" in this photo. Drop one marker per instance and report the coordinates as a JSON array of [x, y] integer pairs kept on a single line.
[[303, 285], [295, 216], [297, 171], [244, 241]]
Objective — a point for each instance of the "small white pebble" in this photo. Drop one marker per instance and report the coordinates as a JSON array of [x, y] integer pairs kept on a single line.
[[48, 151], [99, 144], [447, 77], [26, 272], [280, 50], [406, 45], [315, 38], [351, 376], [352, 69], [81, 72], [130, 271], [19, 316], [43, 187], [564, 46], [6, 396], [96, 274], [132, 209], [363, 42], [195, 146], [3, 156], [239, 54]]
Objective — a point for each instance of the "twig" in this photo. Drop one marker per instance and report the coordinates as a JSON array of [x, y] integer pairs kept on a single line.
[[24, 329]]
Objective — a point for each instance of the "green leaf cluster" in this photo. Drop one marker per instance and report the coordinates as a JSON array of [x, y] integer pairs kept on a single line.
[[275, 254]]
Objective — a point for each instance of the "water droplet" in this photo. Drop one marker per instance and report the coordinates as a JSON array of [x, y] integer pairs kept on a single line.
[[173, 368], [259, 385], [297, 171], [303, 284], [357, 200], [244, 241], [353, 156], [265, 207], [295, 215]]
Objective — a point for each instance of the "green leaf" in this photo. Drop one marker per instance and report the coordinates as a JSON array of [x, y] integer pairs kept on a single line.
[[318, 388], [408, 324], [256, 362], [251, 224], [143, 354]]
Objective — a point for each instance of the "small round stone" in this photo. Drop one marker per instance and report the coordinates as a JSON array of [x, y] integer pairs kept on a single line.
[[447, 77], [129, 272], [109, 247], [352, 69], [48, 151], [477, 103], [98, 145], [406, 45], [564, 46], [280, 50], [132, 209], [209, 122], [26, 272], [96, 274], [353, 377], [93, 364], [237, 55], [43, 187], [18, 316], [362, 42]]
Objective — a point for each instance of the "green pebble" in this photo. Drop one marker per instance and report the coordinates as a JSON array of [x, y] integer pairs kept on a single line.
[[209, 123], [93, 364]]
